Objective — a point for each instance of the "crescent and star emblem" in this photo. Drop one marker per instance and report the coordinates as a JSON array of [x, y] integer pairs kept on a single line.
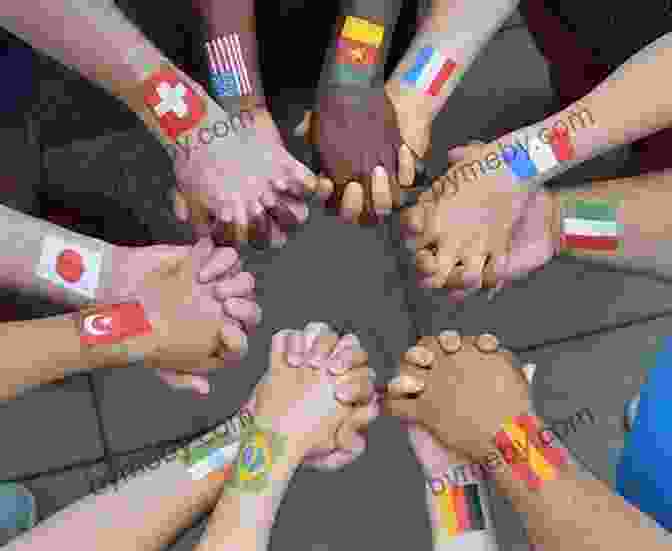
[[97, 324]]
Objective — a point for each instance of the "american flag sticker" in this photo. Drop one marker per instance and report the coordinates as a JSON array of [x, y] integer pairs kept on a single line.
[[228, 70]]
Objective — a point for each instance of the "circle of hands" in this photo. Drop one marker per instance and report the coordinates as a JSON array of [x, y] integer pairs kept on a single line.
[[246, 187]]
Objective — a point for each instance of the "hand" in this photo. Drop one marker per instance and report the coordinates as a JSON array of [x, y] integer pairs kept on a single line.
[[318, 391], [360, 143], [222, 297], [469, 229], [533, 244], [237, 181], [461, 389]]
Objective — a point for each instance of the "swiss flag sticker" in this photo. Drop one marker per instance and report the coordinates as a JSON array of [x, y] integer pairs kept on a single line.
[[173, 102], [110, 324]]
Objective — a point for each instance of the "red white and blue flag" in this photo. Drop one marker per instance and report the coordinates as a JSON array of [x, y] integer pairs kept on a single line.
[[228, 70]]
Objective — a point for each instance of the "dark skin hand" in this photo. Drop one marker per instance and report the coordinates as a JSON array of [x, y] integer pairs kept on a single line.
[[355, 132]]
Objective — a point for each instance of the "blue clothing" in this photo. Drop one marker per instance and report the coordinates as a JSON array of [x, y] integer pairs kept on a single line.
[[644, 474]]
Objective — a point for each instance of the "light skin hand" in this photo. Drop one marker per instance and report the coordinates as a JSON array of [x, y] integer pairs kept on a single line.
[[459, 393], [472, 222], [239, 185], [532, 244], [384, 183], [319, 392], [185, 290]]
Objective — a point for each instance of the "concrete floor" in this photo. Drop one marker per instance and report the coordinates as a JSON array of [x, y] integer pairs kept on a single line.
[[586, 328]]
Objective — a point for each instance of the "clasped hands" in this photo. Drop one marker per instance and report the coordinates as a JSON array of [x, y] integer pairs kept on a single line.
[[452, 393]]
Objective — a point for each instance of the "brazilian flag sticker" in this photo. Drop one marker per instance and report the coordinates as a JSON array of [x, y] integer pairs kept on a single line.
[[259, 450]]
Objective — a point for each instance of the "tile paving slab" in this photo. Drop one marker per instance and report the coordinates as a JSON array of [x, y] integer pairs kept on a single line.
[[599, 372], [50, 427]]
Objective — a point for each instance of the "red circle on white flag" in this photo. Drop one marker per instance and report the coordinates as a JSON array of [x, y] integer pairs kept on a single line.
[[70, 265]]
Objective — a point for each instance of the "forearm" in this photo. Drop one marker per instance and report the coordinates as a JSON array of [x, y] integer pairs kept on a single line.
[[96, 39], [459, 507], [231, 50], [59, 353], [572, 509], [33, 259], [630, 104], [244, 515], [360, 45], [147, 512], [446, 44], [621, 222], [90, 36]]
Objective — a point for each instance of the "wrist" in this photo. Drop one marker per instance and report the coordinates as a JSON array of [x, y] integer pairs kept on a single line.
[[554, 218], [408, 103]]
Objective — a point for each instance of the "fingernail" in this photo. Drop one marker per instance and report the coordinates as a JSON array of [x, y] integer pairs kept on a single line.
[[450, 341], [344, 395], [487, 343], [405, 384], [420, 356]]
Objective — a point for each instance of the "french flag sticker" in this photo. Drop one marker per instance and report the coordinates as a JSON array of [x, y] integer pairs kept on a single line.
[[430, 71]]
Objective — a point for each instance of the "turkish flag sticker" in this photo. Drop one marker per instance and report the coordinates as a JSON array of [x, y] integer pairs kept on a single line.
[[173, 102], [110, 324]]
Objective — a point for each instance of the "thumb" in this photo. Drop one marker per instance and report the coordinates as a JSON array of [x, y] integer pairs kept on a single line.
[[188, 206], [201, 253], [349, 435], [180, 206], [400, 399], [303, 127]]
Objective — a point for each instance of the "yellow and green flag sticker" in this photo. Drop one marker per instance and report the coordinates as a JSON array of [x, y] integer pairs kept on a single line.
[[260, 449]]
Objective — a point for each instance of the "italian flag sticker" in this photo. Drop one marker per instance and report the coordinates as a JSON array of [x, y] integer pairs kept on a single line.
[[70, 265], [591, 227]]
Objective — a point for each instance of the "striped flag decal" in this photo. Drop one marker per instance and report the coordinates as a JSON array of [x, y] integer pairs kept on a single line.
[[529, 458], [591, 226], [228, 70], [361, 30], [460, 509], [430, 71], [540, 155]]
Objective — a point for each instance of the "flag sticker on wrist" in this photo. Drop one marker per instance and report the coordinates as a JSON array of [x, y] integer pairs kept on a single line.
[[591, 226], [111, 324], [228, 71], [460, 509], [357, 51], [173, 102], [430, 71], [530, 459], [540, 155], [70, 265]]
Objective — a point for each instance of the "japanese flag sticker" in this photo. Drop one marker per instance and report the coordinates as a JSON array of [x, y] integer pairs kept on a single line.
[[70, 265]]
